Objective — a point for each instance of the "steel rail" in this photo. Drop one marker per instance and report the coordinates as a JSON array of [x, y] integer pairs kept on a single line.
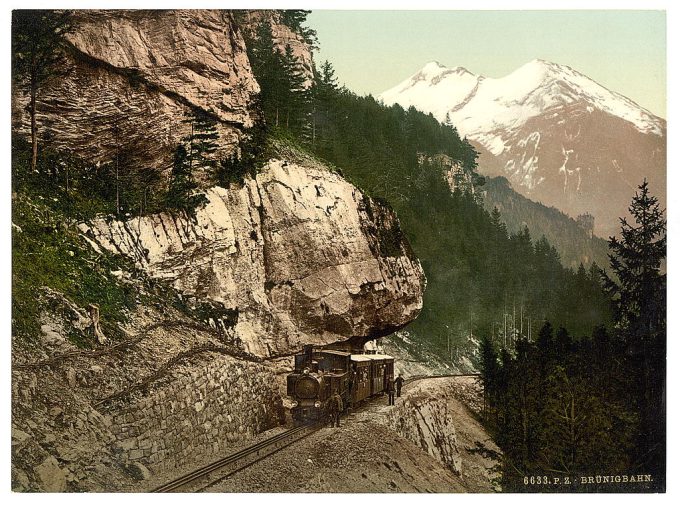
[[239, 460], [258, 451], [439, 376]]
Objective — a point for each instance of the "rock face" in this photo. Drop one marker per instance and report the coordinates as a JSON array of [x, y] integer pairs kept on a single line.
[[436, 415], [298, 253], [131, 76]]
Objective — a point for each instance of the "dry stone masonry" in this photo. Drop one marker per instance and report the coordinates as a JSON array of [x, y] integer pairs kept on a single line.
[[200, 410], [88, 421]]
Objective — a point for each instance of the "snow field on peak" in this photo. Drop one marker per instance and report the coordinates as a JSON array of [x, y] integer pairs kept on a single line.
[[490, 109], [432, 92]]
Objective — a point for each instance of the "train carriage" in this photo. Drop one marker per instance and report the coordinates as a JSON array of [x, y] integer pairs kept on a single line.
[[362, 379], [378, 368]]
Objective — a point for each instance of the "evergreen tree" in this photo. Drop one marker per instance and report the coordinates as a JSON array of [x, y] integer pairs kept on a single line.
[[148, 180], [545, 340], [181, 195], [324, 88], [576, 427], [498, 223], [267, 65], [297, 96], [201, 143], [294, 19], [639, 293], [244, 160], [489, 371], [636, 260], [38, 55], [284, 95], [260, 50]]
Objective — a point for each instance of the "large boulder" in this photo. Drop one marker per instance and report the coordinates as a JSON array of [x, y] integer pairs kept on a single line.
[[299, 253]]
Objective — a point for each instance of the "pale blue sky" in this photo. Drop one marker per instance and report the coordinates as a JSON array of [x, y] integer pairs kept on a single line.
[[374, 50]]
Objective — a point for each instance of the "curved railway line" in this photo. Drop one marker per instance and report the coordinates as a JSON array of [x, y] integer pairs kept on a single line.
[[206, 476], [418, 378]]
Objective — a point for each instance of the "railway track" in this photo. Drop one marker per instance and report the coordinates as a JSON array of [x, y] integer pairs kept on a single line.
[[418, 378], [206, 476]]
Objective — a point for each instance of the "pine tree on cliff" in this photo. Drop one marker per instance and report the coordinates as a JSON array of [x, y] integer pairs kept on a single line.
[[38, 55], [147, 180], [297, 102], [201, 142], [268, 66], [181, 195], [284, 96], [293, 19], [243, 161], [640, 311]]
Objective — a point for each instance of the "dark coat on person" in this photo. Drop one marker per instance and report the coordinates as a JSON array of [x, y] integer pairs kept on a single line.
[[336, 403]]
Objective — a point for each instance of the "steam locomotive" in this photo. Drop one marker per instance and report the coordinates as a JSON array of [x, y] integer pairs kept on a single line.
[[320, 373]]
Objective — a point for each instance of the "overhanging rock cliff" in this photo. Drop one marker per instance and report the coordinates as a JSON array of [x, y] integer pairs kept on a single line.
[[298, 253], [130, 78]]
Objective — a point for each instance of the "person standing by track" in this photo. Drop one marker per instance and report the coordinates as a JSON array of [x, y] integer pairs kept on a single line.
[[399, 382], [352, 387], [334, 409], [390, 391]]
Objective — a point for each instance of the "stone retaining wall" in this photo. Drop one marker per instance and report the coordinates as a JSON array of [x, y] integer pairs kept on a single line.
[[201, 409]]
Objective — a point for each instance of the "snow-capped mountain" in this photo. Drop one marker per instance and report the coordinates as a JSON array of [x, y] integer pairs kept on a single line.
[[559, 136]]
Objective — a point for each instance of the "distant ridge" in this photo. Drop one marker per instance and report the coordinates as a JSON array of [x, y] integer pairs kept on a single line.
[[574, 244], [558, 136]]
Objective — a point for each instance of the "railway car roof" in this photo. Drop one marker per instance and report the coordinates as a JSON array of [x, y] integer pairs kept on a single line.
[[368, 358], [332, 351]]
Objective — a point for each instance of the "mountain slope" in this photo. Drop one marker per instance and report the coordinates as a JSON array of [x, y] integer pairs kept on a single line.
[[574, 242], [558, 136]]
